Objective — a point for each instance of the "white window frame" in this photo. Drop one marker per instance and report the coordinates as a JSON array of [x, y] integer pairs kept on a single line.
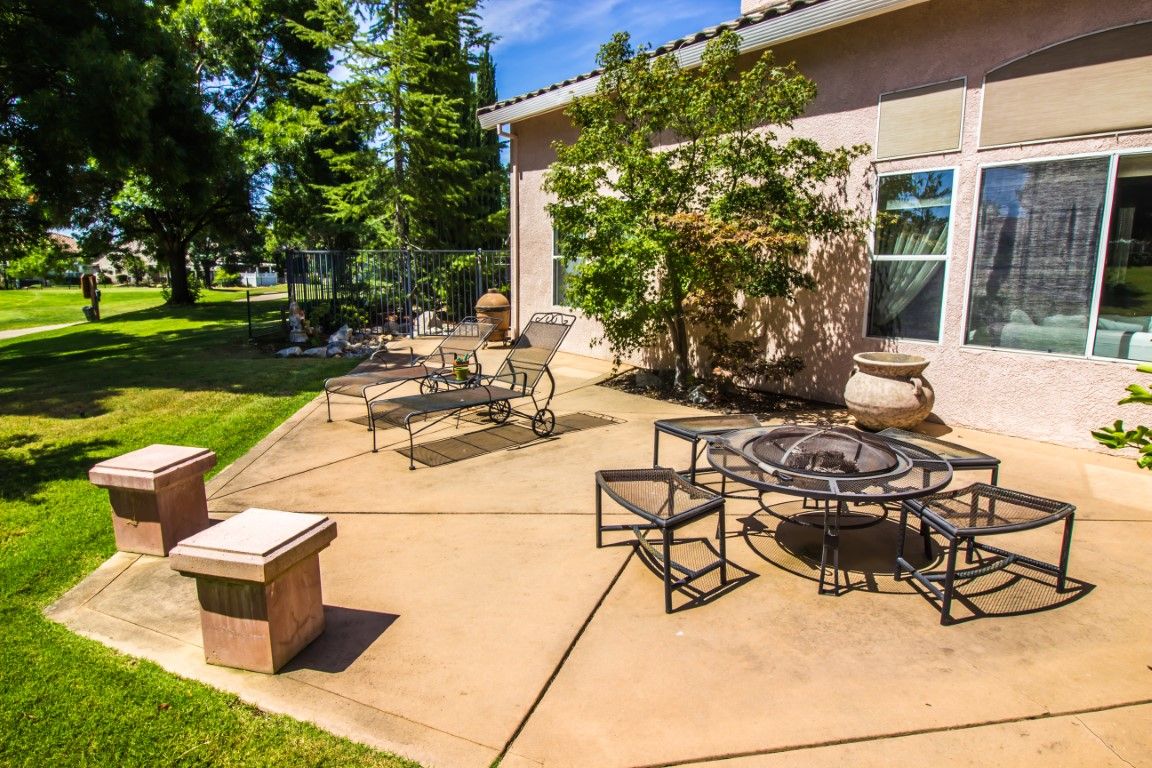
[[946, 257], [557, 256], [1101, 254]]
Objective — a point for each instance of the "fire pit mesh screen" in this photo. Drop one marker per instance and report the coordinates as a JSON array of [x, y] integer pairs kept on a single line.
[[828, 462], [815, 451]]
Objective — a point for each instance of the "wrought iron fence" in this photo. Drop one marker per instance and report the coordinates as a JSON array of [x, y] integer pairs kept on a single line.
[[394, 290]]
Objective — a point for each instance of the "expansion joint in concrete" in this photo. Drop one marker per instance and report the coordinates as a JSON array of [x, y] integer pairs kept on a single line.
[[564, 658], [1076, 714]]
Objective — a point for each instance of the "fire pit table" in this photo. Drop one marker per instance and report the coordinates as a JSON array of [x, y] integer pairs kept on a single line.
[[832, 467]]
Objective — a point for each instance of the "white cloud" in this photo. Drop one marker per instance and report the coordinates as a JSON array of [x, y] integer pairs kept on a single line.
[[518, 21]]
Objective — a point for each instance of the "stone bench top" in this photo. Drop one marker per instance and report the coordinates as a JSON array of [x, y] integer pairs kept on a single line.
[[256, 545], [151, 468]]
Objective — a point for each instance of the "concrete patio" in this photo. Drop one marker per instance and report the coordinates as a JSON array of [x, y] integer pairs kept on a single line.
[[471, 617]]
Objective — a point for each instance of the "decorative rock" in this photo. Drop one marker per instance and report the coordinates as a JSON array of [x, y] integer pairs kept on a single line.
[[258, 580], [648, 380], [157, 496], [428, 322], [886, 389]]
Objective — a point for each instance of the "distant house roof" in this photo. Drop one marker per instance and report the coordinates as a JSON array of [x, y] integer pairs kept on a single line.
[[64, 242], [771, 25]]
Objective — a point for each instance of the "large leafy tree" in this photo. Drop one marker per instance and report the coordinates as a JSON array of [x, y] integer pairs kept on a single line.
[[680, 202], [78, 80], [125, 123], [80, 83], [200, 200], [406, 85]]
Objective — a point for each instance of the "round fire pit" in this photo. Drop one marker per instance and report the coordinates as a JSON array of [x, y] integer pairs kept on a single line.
[[838, 463], [834, 465]]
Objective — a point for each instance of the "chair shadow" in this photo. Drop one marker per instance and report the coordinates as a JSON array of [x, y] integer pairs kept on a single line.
[[1016, 590], [348, 632], [867, 563], [696, 553], [867, 555]]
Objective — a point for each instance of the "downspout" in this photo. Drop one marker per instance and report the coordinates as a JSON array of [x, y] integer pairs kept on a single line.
[[514, 221]]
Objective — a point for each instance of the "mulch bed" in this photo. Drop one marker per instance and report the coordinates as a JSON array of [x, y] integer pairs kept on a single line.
[[764, 404]]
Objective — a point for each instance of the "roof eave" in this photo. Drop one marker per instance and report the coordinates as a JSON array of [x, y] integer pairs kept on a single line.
[[754, 37]]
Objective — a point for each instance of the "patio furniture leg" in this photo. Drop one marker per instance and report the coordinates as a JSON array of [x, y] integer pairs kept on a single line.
[[898, 570], [1065, 551], [411, 443], [721, 537], [667, 570], [954, 546], [599, 517], [367, 406], [831, 542]]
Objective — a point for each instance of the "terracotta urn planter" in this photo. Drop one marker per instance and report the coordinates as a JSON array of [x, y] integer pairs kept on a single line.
[[887, 389]]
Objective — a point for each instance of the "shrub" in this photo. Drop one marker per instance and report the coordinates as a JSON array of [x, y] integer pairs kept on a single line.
[[226, 279], [1118, 437]]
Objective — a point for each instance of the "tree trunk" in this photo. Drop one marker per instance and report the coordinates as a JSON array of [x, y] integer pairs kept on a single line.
[[677, 326], [679, 331], [175, 255]]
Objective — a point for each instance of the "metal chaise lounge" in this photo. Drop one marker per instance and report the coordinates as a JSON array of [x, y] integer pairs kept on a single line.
[[518, 377], [391, 368]]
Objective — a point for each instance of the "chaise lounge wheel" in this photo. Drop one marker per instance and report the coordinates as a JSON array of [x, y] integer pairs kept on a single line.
[[428, 386], [544, 422], [498, 411]]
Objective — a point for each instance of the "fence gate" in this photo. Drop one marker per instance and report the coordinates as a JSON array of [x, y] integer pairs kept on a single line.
[[394, 289]]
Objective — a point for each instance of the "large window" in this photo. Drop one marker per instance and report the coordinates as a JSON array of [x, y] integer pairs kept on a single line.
[[1044, 279], [913, 215]]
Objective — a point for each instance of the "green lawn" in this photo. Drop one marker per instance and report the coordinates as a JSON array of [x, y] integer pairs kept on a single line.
[[31, 307], [68, 399]]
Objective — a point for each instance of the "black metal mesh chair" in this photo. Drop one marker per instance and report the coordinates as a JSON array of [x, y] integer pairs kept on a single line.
[[390, 369], [961, 516], [665, 501]]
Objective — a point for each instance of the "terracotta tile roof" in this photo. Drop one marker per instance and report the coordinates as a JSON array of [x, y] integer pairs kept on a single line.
[[770, 12]]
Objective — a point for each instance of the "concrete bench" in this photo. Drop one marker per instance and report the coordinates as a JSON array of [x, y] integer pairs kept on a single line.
[[258, 580]]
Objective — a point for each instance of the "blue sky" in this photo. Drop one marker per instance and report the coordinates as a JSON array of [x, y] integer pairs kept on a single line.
[[546, 41]]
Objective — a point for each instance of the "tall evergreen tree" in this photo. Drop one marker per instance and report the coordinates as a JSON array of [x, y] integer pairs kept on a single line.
[[406, 85], [488, 216]]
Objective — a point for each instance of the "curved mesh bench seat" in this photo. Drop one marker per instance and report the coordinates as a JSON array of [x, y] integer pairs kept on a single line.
[[665, 501], [694, 430], [390, 369], [518, 377], [960, 457], [961, 516]]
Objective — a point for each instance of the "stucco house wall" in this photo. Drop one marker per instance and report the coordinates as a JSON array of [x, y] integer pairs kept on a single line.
[[1041, 396]]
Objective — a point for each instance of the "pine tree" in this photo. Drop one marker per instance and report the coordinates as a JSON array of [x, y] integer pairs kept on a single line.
[[489, 214], [407, 89]]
